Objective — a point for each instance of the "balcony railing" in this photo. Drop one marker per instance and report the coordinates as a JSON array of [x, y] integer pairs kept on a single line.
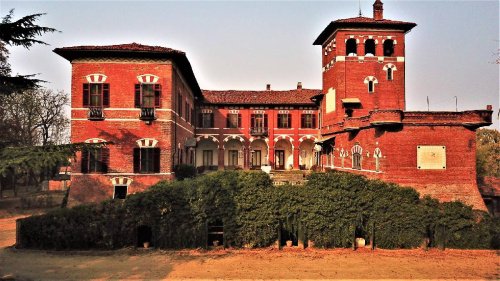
[[147, 114], [95, 113], [259, 131]]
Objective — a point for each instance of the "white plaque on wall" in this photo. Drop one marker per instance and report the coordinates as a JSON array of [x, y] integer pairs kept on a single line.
[[431, 157]]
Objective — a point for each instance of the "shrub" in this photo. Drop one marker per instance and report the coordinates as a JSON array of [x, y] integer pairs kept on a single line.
[[331, 209], [184, 171]]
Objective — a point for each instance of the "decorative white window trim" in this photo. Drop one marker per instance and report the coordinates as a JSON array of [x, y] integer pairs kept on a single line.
[[377, 153], [146, 143], [121, 181], [96, 78], [95, 140], [357, 149], [389, 65], [148, 79]]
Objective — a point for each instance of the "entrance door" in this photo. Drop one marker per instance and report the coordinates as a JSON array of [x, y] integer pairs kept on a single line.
[[233, 158], [256, 159], [279, 163]]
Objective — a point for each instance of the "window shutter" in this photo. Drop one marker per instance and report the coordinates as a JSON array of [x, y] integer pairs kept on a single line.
[[314, 120], [265, 121], [137, 98], [200, 120], [252, 121], [157, 95], [227, 121], [239, 120], [86, 94], [156, 160], [211, 120], [85, 161], [289, 120], [105, 95], [302, 120], [137, 160], [105, 159]]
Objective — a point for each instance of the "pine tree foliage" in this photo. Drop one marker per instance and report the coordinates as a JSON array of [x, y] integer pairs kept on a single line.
[[488, 153], [22, 32]]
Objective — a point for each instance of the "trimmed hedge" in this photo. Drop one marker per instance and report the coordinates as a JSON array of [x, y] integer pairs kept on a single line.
[[331, 209]]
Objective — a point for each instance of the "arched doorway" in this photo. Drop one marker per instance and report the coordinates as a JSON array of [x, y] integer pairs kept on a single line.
[[206, 155], [306, 154], [233, 154], [283, 155], [258, 154]]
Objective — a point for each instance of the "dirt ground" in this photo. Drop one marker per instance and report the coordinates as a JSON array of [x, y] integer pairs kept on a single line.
[[241, 264]]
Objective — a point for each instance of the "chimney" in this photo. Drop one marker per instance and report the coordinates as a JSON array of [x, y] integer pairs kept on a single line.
[[489, 107], [299, 85], [268, 87], [378, 10]]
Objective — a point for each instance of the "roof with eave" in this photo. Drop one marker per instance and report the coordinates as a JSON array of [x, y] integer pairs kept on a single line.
[[287, 97], [133, 50], [362, 22]]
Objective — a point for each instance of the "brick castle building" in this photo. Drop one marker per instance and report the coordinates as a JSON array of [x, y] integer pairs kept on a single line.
[[147, 102]]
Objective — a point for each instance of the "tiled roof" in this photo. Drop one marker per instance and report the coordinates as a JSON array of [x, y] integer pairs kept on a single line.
[[132, 47], [289, 97], [133, 50], [362, 22]]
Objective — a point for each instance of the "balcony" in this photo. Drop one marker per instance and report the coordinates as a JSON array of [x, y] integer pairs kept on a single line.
[[353, 124], [147, 114], [95, 113], [259, 131], [385, 117]]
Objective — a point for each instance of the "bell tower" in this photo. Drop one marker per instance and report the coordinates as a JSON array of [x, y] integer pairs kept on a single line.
[[363, 61]]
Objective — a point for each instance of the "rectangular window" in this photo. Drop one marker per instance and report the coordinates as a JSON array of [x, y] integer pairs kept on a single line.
[[233, 120], [95, 160], [284, 121], [147, 95], [256, 158], [186, 111], [95, 95], [308, 121], [233, 158], [207, 120], [179, 105], [146, 160], [258, 121], [120, 192], [208, 158]]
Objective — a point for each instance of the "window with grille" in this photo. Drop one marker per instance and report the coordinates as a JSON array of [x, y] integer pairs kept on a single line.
[[147, 95], [284, 121], [356, 161], [233, 120], [308, 121], [146, 160], [95, 160]]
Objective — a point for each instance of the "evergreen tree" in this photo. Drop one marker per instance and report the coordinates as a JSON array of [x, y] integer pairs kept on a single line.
[[22, 32]]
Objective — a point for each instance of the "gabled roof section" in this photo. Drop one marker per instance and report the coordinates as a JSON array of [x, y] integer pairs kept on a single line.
[[133, 50], [269, 97], [362, 22]]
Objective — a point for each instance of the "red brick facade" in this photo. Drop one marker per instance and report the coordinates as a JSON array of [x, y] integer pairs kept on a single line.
[[151, 108]]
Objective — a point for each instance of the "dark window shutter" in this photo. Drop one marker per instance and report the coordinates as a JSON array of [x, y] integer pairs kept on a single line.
[[86, 94], [137, 98], [265, 121], [105, 159], [85, 161], [105, 95], [302, 120], [157, 95], [239, 120], [252, 121], [211, 120], [314, 120], [192, 116], [137, 160], [156, 160], [200, 120], [289, 120], [227, 121]]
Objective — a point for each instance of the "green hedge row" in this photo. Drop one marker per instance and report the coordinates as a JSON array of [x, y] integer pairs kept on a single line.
[[331, 209]]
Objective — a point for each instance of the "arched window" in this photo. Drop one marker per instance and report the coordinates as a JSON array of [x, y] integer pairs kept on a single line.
[[370, 48], [356, 156], [371, 87], [388, 48], [370, 81], [351, 47], [390, 68], [389, 74]]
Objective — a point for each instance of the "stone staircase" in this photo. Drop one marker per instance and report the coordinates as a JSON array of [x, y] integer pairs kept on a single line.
[[295, 177]]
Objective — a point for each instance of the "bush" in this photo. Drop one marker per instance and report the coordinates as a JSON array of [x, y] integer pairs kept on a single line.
[[184, 171], [332, 209]]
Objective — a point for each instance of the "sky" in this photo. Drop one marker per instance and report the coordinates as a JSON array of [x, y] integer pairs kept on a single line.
[[247, 44]]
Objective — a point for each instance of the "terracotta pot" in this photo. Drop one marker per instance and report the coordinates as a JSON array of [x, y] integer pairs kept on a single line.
[[146, 245], [289, 243]]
